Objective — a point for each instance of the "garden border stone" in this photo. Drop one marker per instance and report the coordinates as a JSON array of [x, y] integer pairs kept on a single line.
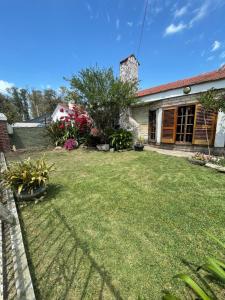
[[215, 167], [196, 161], [23, 282]]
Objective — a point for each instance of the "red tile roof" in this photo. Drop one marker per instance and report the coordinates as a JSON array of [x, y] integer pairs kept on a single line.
[[205, 77]]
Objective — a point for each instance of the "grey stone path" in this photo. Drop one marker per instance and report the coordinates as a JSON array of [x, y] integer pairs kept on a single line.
[[169, 152]]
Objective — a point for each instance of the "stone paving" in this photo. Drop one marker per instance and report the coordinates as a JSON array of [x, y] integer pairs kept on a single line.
[[169, 152]]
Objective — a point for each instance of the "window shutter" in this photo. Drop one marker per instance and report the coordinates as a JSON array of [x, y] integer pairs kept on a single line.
[[200, 135], [169, 124]]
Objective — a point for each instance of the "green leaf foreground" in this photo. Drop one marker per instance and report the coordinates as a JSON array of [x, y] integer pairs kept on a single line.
[[170, 297], [215, 267], [194, 286]]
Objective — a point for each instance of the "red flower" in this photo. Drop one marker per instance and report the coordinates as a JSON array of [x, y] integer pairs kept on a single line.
[[61, 110], [61, 126]]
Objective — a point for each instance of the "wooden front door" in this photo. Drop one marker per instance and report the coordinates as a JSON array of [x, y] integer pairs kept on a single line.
[[185, 124], [152, 126], [169, 122], [205, 126], [188, 125]]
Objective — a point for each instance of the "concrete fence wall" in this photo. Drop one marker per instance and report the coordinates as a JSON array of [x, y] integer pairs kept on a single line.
[[30, 138]]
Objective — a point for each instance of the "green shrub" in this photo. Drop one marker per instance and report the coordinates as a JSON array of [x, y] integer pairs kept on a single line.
[[121, 139], [27, 176], [56, 134]]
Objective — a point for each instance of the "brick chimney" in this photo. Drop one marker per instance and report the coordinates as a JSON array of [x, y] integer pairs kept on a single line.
[[129, 68], [4, 137]]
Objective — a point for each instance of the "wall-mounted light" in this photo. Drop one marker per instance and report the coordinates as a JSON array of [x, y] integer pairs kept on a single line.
[[187, 90]]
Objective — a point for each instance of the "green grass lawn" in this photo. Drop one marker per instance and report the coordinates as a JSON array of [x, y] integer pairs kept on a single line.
[[121, 225]]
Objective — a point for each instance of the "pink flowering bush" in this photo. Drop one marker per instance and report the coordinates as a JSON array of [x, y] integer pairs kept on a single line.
[[75, 125], [70, 144]]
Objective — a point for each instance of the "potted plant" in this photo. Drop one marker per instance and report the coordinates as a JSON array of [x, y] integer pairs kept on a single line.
[[139, 144], [28, 179]]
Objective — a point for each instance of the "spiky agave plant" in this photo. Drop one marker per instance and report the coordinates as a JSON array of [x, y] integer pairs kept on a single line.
[[214, 267], [27, 176]]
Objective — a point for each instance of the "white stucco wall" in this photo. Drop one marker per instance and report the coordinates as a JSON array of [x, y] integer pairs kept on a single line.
[[198, 88], [220, 130], [158, 125]]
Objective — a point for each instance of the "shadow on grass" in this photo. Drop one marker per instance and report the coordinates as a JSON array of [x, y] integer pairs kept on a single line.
[[64, 267]]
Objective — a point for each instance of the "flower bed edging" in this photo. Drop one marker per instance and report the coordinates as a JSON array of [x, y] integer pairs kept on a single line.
[[197, 162], [215, 167]]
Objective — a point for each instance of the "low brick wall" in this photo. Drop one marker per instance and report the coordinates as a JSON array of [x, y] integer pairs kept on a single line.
[[30, 138], [4, 137]]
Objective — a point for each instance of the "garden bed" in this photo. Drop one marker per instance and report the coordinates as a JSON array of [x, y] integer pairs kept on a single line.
[[213, 162], [120, 225]]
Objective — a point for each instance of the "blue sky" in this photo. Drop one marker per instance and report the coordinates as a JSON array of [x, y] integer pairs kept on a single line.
[[44, 40]]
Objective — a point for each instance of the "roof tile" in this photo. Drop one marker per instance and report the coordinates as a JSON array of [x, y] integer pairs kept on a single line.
[[205, 77]]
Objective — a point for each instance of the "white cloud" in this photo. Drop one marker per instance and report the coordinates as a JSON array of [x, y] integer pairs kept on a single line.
[[222, 55], [172, 29], [118, 38], [4, 85], [215, 46], [130, 24], [180, 12], [200, 12], [117, 23]]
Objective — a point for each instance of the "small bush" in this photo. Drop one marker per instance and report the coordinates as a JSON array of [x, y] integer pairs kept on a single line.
[[27, 176], [121, 139]]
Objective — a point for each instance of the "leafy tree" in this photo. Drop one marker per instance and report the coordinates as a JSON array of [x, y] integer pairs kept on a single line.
[[51, 99], [43, 101], [9, 109], [24, 96], [104, 95], [20, 99], [36, 101], [212, 101]]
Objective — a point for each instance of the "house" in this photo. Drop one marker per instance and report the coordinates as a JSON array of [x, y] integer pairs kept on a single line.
[[43, 119], [170, 115], [62, 110]]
